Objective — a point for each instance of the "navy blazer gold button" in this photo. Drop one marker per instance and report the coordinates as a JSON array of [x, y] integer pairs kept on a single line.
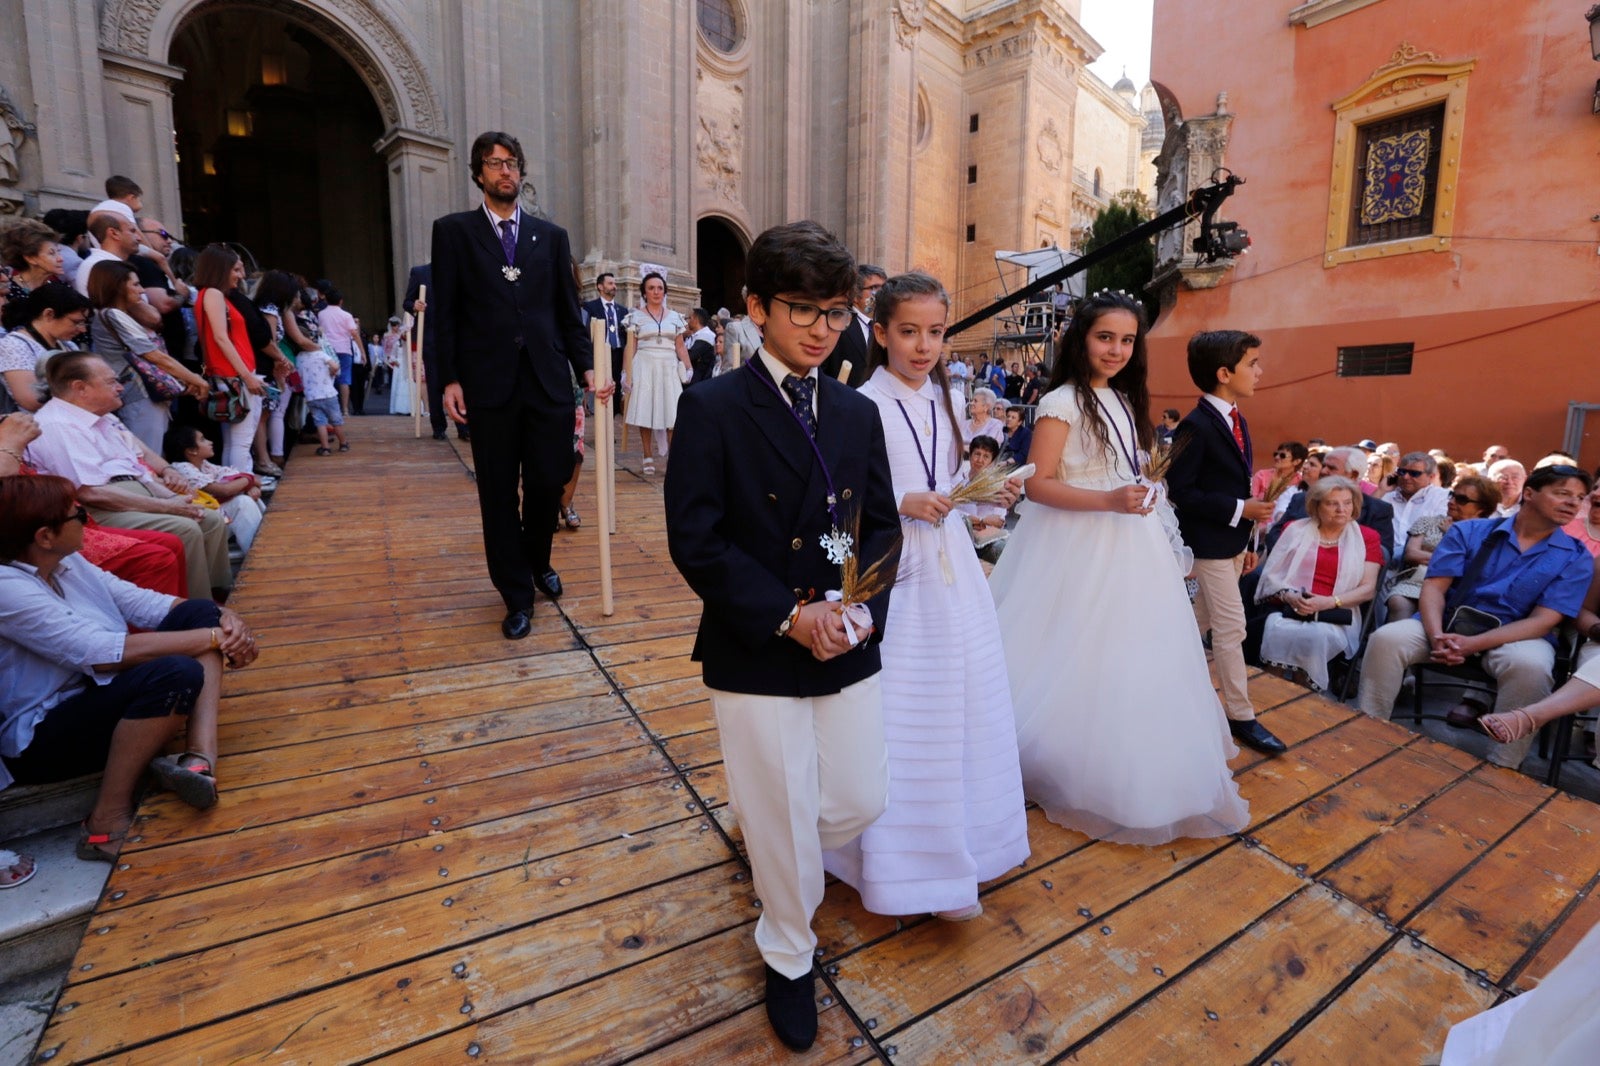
[[795, 544], [845, 494]]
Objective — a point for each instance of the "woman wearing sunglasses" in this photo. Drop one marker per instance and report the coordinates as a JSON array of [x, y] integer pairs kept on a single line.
[[1472, 496], [79, 693]]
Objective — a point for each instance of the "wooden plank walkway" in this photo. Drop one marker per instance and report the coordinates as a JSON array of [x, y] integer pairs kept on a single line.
[[437, 846]]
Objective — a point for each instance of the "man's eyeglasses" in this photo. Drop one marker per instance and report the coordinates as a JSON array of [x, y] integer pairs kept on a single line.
[[839, 318], [1406, 471], [1462, 499], [163, 234], [509, 165]]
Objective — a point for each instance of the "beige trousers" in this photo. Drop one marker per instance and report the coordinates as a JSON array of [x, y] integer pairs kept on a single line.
[[1521, 670], [1219, 607], [804, 775], [205, 543]]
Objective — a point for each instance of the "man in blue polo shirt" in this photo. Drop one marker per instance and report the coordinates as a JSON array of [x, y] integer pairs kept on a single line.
[[1514, 579]]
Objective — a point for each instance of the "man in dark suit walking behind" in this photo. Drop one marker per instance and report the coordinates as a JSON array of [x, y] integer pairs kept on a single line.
[[605, 308], [509, 331]]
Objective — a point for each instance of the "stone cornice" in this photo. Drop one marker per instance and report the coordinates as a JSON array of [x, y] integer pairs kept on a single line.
[[1316, 12], [1048, 18]]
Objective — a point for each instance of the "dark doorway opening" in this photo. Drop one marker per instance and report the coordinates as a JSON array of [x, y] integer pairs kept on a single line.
[[275, 134], [719, 270]]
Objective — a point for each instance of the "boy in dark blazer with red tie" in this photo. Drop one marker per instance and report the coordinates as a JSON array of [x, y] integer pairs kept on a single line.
[[768, 461], [1209, 484]]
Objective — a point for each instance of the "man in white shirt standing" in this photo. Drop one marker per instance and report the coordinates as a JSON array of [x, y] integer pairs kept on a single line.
[[344, 337], [1414, 496], [118, 237], [85, 443]]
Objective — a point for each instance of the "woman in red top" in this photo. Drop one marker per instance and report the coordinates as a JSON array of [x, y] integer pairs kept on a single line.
[[226, 348], [1323, 567], [143, 557]]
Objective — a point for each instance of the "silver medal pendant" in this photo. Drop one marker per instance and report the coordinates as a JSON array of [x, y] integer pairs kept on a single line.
[[511, 273], [837, 543]]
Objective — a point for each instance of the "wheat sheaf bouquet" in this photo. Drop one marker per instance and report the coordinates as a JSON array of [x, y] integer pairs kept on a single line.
[[858, 586]]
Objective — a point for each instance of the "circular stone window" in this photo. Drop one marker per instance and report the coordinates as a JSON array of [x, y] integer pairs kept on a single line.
[[721, 25]]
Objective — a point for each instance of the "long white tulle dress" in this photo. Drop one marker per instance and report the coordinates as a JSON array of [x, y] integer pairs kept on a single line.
[[1120, 733], [955, 816]]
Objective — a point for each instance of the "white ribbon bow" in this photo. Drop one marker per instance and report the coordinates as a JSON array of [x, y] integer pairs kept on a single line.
[[855, 614]]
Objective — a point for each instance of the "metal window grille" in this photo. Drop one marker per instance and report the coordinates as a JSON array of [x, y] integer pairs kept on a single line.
[[719, 21], [1420, 224], [1375, 360]]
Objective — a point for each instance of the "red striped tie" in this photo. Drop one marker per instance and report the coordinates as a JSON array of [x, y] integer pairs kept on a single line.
[[1238, 428]]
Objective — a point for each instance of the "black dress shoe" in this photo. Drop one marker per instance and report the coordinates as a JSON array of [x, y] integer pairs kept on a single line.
[[463, 433], [549, 583], [1465, 714], [1253, 734], [517, 624], [440, 434], [792, 1008]]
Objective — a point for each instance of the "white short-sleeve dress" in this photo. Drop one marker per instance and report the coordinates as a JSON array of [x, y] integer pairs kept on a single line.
[[657, 376]]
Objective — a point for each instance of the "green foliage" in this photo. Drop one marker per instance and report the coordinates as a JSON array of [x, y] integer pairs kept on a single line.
[[1130, 269]]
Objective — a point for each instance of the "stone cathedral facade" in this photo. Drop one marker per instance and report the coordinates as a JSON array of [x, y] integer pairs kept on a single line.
[[323, 136]]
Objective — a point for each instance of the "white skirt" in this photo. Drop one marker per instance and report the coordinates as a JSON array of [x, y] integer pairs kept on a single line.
[[657, 383], [1120, 733]]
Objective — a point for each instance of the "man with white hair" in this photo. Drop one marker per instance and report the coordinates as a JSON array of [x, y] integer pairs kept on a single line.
[[1414, 496]]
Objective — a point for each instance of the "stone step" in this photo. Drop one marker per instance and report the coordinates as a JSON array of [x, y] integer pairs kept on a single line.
[[28, 809], [42, 921]]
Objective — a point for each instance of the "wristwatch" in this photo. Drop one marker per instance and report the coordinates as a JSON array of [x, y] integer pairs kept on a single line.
[[788, 623]]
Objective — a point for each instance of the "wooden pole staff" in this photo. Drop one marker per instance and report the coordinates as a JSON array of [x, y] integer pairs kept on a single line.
[[733, 356], [844, 371], [415, 355], [605, 504]]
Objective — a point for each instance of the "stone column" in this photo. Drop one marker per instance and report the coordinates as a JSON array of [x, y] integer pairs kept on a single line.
[[138, 106], [882, 65], [68, 105], [421, 174]]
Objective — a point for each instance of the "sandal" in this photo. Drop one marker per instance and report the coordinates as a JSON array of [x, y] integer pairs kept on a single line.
[[324, 451], [189, 775], [91, 846], [965, 914], [15, 869], [1509, 726], [344, 446], [649, 467], [571, 515]]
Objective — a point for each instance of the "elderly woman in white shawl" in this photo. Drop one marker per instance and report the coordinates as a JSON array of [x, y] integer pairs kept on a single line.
[[1323, 568]]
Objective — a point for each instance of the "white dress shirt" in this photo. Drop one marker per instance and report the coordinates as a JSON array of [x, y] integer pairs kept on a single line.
[[51, 641], [777, 371], [83, 447], [1428, 500]]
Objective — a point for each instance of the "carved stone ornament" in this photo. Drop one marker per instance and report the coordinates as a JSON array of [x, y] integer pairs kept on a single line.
[[719, 147], [14, 129], [909, 16], [359, 30], [1405, 55], [1049, 147]]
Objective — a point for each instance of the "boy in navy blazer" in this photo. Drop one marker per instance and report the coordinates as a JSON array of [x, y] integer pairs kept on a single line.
[[1209, 483], [767, 462]]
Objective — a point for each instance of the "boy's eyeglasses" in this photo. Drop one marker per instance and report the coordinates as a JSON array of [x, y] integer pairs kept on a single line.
[[839, 318]]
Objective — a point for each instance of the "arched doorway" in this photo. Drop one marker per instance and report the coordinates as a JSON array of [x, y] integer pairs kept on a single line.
[[719, 266], [275, 133]]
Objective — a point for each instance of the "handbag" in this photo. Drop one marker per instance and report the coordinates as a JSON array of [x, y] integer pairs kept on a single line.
[[158, 384], [1339, 616], [1469, 622], [228, 402]]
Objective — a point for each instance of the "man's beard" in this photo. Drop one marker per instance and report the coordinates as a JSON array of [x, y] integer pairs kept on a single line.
[[492, 193]]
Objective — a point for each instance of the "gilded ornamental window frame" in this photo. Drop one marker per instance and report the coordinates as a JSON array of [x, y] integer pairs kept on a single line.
[[1394, 89]]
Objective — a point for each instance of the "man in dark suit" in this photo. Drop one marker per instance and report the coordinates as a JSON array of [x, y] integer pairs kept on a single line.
[[421, 275], [1209, 482], [852, 346], [767, 462], [605, 308], [510, 337]]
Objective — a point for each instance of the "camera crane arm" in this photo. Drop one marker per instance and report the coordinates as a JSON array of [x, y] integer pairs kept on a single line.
[[1202, 202]]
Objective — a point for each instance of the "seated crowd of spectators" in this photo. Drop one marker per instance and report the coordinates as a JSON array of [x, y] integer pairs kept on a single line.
[[147, 406], [1380, 561]]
